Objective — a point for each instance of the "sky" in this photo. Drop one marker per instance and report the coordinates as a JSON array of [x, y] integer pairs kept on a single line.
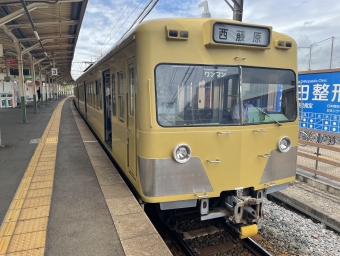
[[312, 23]]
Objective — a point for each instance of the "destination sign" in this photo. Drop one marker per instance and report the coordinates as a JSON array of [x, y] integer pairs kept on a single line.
[[241, 34]]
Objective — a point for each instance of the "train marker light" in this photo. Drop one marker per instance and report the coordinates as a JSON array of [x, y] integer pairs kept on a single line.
[[184, 34], [181, 153], [176, 33], [284, 144], [173, 33], [283, 45]]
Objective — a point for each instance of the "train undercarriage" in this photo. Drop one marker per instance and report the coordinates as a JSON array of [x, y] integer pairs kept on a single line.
[[241, 208]]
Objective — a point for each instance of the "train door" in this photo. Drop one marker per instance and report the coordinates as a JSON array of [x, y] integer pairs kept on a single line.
[[107, 107], [131, 124], [85, 101]]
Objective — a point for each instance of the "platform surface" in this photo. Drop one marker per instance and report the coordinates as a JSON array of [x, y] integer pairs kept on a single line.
[[61, 195]]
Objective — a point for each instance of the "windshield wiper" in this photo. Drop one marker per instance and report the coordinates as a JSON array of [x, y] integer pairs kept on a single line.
[[269, 116]]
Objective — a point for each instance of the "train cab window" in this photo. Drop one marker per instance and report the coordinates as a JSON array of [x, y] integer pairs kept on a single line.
[[132, 89], [121, 95], [194, 95], [113, 95], [271, 94]]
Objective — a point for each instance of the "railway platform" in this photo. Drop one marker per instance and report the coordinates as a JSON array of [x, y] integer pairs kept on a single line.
[[61, 195]]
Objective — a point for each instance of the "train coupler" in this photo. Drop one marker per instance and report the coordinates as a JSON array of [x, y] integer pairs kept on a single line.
[[245, 208]]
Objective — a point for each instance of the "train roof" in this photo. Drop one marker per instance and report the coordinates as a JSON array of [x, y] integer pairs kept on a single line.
[[169, 22]]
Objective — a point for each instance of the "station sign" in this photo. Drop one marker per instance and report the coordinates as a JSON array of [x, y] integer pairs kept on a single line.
[[54, 71], [319, 101], [12, 62]]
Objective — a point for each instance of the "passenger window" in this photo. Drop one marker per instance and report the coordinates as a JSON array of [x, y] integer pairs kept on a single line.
[[113, 95], [121, 95], [93, 94], [100, 94], [132, 89], [97, 93]]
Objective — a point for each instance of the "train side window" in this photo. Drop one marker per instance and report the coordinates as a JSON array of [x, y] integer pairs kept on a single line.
[[113, 95], [81, 93], [91, 90], [93, 94], [87, 93], [97, 92], [121, 95], [100, 94], [89, 99], [132, 89]]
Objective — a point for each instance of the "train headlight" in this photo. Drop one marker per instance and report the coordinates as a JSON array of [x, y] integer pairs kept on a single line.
[[284, 144], [181, 153]]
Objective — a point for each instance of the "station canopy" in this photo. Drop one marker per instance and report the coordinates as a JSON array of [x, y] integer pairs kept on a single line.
[[46, 30]]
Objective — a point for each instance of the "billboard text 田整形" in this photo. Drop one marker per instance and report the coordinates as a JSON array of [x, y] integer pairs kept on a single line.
[[319, 101]]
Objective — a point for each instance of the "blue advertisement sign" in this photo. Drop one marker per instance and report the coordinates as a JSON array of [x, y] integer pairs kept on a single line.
[[319, 101]]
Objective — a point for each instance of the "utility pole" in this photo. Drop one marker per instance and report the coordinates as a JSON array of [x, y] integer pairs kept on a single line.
[[237, 9], [330, 63]]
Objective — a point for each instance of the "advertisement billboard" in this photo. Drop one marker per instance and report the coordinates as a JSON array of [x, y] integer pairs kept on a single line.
[[319, 100]]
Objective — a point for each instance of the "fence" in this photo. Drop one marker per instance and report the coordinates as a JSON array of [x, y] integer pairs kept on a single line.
[[319, 153]]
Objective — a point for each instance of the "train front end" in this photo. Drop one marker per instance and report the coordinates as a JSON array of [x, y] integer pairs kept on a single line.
[[223, 128]]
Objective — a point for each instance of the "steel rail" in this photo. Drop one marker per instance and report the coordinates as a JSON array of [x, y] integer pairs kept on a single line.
[[254, 247]]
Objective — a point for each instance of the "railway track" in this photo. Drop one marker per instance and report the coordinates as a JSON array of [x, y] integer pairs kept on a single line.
[[193, 237]]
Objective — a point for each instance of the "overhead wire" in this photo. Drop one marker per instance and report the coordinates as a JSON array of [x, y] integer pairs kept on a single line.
[[125, 21], [141, 18], [115, 24]]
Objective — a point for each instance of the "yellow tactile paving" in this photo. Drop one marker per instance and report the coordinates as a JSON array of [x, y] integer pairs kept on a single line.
[[17, 204], [20, 194], [45, 168], [12, 215], [26, 180], [47, 164], [4, 242], [44, 172], [42, 178], [24, 186], [47, 159], [27, 241], [39, 192], [48, 154], [23, 232], [35, 212], [7, 229], [29, 174], [32, 225], [44, 184], [36, 202], [52, 140], [34, 252]]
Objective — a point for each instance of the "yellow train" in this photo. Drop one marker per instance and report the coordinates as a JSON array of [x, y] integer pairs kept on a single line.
[[199, 113]]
